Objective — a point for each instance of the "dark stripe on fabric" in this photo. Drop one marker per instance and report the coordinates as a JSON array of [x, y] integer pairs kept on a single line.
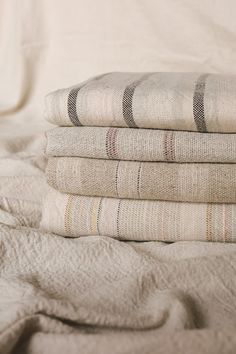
[[98, 215], [127, 102], [116, 178], [169, 149], [138, 179], [72, 99], [111, 143], [71, 106], [198, 103], [118, 219]]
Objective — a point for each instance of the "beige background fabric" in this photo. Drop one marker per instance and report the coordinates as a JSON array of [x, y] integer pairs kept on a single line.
[[48, 44], [96, 290], [207, 342]]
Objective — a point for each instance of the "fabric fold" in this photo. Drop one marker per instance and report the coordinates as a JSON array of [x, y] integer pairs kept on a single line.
[[139, 220], [210, 183], [176, 101], [141, 144]]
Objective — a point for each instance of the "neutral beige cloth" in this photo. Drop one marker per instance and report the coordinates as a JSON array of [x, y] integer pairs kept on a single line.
[[132, 342], [141, 144], [139, 220], [213, 183], [22, 180], [37, 36], [177, 101], [96, 294]]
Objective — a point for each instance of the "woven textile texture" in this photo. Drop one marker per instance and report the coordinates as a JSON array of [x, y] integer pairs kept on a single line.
[[214, 183], [178, 101], [141, 144], [140, 220], [98, 295]]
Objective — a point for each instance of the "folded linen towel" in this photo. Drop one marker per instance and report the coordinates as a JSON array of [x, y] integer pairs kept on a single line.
[[141, 220], [177, 101], [141, 144], [215, 183]]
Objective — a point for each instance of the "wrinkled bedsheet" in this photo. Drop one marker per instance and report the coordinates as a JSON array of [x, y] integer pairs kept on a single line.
[[96, 294]]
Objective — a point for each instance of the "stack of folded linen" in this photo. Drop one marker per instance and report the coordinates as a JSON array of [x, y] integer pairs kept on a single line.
[[172, 179]]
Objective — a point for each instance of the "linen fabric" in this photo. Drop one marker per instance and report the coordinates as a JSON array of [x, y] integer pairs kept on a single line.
[[177, 101], [139, 220], [99, 295], [214, 183], [141, 144], [76, 295]]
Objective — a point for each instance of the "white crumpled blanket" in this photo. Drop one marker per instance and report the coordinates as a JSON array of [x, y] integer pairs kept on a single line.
[[96, 294]]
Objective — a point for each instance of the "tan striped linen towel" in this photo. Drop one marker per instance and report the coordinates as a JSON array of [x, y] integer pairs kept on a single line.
[[177, 101], [215, 183], [141, 220], [141, 144]]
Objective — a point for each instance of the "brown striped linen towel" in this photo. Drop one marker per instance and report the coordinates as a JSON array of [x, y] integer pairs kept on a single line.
[[141, 144], [214, 183], [140, 220], [176, 101]]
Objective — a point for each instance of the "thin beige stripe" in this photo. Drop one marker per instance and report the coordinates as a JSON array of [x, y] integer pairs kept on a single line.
[[93, 215], [209, 222], [177, 222], [224, 226], [67, 222], [227, 222], [51, 172]]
